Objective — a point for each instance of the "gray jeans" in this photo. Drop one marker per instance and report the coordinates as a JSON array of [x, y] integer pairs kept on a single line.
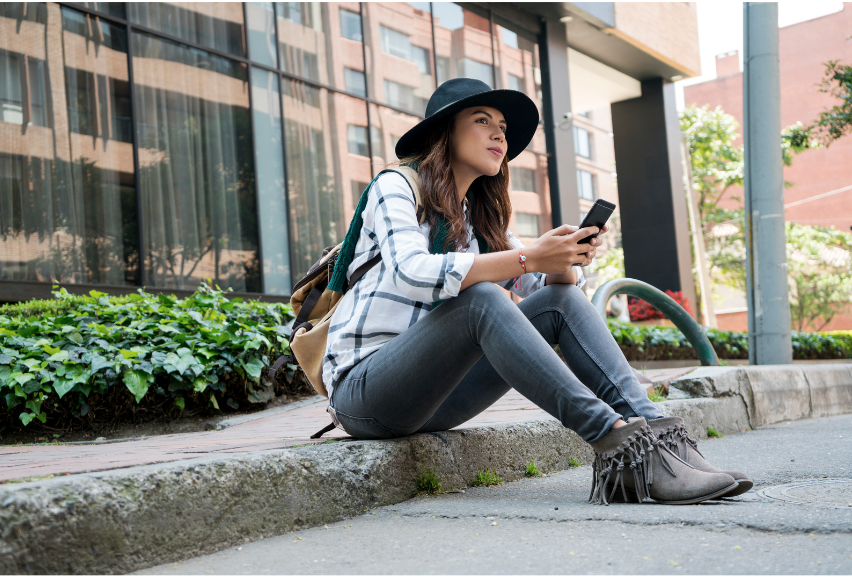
[[467, 353]]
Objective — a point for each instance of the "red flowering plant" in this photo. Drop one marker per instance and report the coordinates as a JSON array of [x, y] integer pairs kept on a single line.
[[642, 310]]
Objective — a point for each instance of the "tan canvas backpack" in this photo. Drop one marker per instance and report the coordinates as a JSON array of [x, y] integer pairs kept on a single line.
[[314, 303]]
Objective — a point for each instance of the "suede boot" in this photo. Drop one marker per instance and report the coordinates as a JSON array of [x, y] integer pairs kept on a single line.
[[672, 432], [631, 458]]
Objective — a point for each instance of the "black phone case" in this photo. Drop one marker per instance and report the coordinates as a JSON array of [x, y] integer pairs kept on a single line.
[[597, 217]]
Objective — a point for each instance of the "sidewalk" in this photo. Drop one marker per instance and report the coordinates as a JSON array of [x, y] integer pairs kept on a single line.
[[274, 429], [132, 504]]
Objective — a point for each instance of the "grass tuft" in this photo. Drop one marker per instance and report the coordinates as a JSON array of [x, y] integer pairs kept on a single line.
[[658, 394], [428, 482], [486, 478], [574, 462], [712, 433], [532, 470]]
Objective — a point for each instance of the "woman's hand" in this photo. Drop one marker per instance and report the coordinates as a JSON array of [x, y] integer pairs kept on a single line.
[[558, 250]]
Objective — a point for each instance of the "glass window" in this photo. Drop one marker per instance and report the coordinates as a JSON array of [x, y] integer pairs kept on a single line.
[[478, 70], [399, 95], [319, 168], [585, 185], [399, 54], [11, 95], [527, 225], [271, 196], [196, 170], [350, 25], [357, 137], [510, 38], [311, 47], [423, 59], [582, 143], [395, 43], [357, 190], [463, 40], [522, 179], [355, 82], [112, 8], [261, 33], [388, 126], [67, 200], [514, 83], [296, 12], [377, 141], [517, 67], [216, 25]]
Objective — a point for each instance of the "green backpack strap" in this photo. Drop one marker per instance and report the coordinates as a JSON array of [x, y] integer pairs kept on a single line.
[[337, 282]]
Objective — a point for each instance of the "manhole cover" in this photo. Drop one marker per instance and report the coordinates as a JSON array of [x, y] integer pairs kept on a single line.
[[824, 493]]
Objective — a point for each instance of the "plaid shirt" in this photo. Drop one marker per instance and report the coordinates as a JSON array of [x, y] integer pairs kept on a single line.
[[401, 289]]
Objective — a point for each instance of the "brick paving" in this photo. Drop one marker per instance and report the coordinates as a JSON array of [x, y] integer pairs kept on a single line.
[[273, 429]]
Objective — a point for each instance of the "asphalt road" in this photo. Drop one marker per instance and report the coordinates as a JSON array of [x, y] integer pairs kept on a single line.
[[545, 525]]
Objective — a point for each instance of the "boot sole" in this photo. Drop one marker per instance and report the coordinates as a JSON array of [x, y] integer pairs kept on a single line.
[[742, 488], [718, 494]]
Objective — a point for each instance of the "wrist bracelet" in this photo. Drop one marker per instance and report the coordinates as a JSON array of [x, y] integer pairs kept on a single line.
[[522, 259]]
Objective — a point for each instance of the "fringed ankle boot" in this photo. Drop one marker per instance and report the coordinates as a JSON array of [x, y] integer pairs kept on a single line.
[[672, 432], [631, 459]]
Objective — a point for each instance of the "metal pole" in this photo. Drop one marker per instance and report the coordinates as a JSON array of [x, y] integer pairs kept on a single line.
[[766, 248]]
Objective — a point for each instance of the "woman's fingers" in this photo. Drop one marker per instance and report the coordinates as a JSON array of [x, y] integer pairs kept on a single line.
[[561, 230], [581, 234]]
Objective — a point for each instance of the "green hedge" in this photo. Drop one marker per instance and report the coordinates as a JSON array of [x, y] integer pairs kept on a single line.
[[654, 343], [83, 348], [63, 359]]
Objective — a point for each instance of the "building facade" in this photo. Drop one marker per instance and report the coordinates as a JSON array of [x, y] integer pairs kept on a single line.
[[163, 144]]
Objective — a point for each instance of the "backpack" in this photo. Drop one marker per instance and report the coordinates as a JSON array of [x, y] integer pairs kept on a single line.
[[314, 303]]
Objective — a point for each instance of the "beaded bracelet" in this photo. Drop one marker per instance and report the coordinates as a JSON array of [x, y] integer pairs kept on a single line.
[[522, 259]]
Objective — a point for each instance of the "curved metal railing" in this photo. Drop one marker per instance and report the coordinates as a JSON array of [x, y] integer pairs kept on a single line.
[[668, 306]]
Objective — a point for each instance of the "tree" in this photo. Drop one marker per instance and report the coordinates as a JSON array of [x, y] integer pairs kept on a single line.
[[836, 121], [717, 165], [819, 265]]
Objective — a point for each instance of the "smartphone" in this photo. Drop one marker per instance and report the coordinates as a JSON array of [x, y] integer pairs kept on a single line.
[[597, 217]]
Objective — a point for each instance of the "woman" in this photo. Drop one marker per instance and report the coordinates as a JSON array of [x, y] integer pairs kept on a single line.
[[427, 340]]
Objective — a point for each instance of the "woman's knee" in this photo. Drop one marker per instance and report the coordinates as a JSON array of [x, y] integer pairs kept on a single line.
[[484, 293], [566, 295]]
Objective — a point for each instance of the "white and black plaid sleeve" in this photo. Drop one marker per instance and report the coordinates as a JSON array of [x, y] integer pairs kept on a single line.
[[416, 273]]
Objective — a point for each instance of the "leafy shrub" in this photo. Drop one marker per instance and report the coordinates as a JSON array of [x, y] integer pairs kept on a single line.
[[486, 478], [71, 352], [653, 343]]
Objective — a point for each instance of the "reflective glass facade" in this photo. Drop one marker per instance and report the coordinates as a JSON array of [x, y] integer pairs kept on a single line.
[[162, 144]]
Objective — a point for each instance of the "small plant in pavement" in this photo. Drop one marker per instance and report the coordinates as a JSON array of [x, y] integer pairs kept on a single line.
[[532, 470], [574, 462], [658, 394], [712, 433], [428, 482], [486, 478]]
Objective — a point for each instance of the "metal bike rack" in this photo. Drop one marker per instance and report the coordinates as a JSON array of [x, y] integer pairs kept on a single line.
[[668, 306]]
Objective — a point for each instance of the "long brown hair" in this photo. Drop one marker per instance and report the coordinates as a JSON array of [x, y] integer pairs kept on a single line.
[[489, 196]]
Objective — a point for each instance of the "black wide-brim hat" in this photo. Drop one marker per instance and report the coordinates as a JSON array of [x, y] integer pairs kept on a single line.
[[457, 94]]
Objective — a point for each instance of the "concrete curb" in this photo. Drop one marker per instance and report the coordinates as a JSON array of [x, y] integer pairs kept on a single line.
[[124, 520], [775, 393]]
